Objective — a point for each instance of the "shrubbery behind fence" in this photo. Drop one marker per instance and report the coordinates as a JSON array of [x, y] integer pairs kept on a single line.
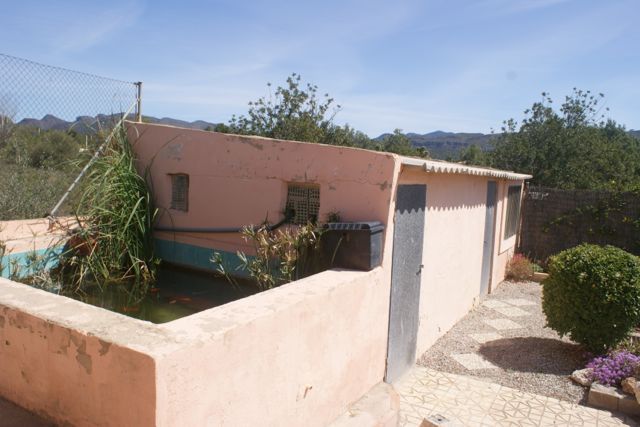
[[51, 121], [554, 220]]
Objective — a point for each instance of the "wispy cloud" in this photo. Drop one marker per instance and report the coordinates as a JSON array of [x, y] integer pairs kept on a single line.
[[505, 7], [79, 33]]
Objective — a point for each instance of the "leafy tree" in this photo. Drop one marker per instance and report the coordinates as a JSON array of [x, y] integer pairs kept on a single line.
[[33, 147], [473, 155], [397, 143], [346, 136], [575, 147], [300, 113], [294, 113], [220, 127]]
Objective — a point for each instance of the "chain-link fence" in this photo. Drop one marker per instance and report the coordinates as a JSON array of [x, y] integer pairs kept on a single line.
[[51, 122]]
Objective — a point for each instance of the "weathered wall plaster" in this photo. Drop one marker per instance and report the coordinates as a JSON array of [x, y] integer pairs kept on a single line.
[[453, 245], [239, 180]]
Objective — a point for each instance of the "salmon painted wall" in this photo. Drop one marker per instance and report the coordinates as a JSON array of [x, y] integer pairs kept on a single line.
[[453, 248], [296, 355], [52, 365], [238, 180], [25, 238]]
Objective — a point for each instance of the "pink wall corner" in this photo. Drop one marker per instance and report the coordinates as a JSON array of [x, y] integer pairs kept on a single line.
[[239, 180], [67, 375], [295, 355]]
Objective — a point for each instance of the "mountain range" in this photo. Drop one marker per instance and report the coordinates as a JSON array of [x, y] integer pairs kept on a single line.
[[88, 124], [441, 145]]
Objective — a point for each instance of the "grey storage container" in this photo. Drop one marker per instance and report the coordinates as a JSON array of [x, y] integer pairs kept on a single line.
[[352, 245]]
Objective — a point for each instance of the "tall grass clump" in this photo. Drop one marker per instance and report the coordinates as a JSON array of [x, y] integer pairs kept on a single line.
[[114, 242]]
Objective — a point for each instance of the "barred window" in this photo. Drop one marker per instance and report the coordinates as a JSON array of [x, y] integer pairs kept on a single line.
[[513, 211], [180, 192], [303, 202]]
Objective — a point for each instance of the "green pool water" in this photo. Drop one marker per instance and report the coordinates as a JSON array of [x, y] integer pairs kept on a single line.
[[177, 292]]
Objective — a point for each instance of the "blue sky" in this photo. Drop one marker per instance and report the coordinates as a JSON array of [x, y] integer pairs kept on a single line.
[[416, 65]]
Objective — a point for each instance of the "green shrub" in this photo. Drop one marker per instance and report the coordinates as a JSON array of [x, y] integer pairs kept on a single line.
[[592, 294], [27, 192], [31, 147]]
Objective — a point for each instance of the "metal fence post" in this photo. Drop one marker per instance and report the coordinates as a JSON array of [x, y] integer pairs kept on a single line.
[[139, 102]]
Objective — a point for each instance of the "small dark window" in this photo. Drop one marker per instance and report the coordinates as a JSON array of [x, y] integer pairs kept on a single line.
[[180, 192], [303, 203], [513, 211]]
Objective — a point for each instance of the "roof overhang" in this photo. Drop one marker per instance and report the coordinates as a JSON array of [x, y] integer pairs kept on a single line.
[[433, 166]]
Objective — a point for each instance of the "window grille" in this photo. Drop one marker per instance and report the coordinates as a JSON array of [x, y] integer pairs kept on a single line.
[[303, 202], [180, 192], [513, 211]]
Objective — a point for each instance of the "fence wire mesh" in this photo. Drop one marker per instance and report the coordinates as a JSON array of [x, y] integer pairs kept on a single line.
[[51, 121]]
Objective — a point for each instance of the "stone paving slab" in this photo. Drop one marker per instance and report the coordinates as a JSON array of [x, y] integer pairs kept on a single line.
[[473, 361], [512, 311], [470, 402], [485, 337], [519, 302], [502, 324], [494, 303]]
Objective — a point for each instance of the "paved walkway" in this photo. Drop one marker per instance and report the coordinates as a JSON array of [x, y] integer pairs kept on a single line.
[[505, 341], [471, 402]]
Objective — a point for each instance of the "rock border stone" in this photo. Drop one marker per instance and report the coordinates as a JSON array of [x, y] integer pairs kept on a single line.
[[539, 276], [612, 399]]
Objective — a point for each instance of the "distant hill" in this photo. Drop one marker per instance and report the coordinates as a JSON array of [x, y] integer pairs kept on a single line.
[[440, 144], [443, 145], [88, 124]]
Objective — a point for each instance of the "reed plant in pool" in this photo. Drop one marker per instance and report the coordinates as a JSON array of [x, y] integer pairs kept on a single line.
[[113, 244]]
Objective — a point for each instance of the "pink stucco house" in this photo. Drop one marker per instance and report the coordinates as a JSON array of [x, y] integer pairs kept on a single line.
[[299, 354]]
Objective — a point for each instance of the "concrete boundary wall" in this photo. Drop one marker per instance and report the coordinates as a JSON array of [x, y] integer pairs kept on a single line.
[[297, 354], [74, 363], [29, 240]]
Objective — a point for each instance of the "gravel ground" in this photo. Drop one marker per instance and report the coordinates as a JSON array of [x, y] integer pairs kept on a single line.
[[532, 358]]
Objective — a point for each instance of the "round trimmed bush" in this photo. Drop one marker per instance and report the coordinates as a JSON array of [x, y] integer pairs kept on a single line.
[[592, 294]]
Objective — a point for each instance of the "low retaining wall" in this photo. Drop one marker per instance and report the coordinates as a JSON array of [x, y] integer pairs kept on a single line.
[[293, 355], [29, 244]]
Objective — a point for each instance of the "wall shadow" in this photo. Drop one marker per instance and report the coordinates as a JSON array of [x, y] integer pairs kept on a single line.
[[534, 354]]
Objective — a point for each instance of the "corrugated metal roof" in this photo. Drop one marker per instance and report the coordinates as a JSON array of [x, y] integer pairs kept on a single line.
[[436, 166]]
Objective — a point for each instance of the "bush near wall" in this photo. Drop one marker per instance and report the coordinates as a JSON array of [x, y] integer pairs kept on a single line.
[[592, 294], [519, 268], [27, 192]]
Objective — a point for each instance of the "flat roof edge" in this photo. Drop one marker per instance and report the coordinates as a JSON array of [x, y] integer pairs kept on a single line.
[[456, 168]]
